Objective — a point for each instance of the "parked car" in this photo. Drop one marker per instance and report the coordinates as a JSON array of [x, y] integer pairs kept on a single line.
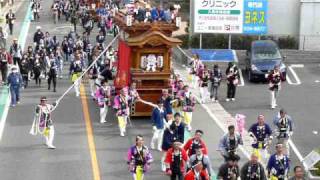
[[262, 57]]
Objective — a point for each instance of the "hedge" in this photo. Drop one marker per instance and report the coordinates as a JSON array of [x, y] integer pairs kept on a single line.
[[239, 42]]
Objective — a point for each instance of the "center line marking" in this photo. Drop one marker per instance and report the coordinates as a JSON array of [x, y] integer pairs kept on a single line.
[[92, 146]]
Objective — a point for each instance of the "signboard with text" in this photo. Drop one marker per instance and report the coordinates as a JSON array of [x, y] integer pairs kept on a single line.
[[218, 16], [255, 17], [230, 16]]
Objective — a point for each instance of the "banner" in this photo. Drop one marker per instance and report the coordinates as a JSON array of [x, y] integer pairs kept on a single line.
[[123, 74], [230, 16]]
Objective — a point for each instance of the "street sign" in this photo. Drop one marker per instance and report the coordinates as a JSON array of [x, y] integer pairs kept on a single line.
[[230, 16], [255, 17], [218, 16]]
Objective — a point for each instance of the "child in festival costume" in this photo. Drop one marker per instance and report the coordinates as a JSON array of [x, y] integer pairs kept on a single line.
[[139, 159], [103, 95], [121, 104]]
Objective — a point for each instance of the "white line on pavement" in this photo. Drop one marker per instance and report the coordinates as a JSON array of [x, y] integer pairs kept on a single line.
[[297, 65], [240, 72], [4, 115], [289, 80], [297, 79], [241, 78], [296, 151]]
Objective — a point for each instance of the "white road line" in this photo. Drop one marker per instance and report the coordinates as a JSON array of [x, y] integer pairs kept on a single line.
[[289, 80], [297, 65], [296, 151], [297, 79], [240, 72], [241, 78], [4, 115]]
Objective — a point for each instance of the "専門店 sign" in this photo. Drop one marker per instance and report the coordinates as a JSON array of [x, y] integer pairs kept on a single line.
[[255, 17], [230, 16]]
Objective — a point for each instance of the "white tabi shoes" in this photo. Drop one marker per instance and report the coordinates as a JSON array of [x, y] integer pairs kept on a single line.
[[50, 146]]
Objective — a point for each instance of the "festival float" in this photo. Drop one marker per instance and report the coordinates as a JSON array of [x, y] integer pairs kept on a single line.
[[144, 57]]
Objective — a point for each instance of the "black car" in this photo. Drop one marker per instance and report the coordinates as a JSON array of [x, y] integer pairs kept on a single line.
[[262, 57]]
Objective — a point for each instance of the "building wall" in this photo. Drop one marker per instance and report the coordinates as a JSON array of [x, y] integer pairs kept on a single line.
[[310, 25], [284, 17]]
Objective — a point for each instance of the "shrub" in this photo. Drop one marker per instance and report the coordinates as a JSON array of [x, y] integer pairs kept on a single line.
[[287, 42]]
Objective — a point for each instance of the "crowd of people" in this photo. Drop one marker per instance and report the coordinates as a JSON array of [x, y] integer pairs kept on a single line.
[[145, 13], [188, 159], [172, 115], [209, 80]]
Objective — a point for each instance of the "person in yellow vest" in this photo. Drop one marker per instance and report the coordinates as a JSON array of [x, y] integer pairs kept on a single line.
[[76, 69], [188, 103], [121, 104]]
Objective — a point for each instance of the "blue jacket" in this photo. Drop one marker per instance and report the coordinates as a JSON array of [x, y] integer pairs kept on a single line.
[[155, 14], [261, 134], [168, 138], [15, 80], [277, 168], [167, 16], [225, 145], [167, 105], [288, 127], [157, 118], [179, 132], [176, 133]]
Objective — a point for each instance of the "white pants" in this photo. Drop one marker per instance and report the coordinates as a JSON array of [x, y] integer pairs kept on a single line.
[[286, 145], [195, 81], [204, 94], [273, 98], [50, 137], [77, 87], [157, 136], [163, 164], [93, 88], [103, 113]]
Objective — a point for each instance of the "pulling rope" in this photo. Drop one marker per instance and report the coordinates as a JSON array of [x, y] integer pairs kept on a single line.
[[184, 53], [83, 73]]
